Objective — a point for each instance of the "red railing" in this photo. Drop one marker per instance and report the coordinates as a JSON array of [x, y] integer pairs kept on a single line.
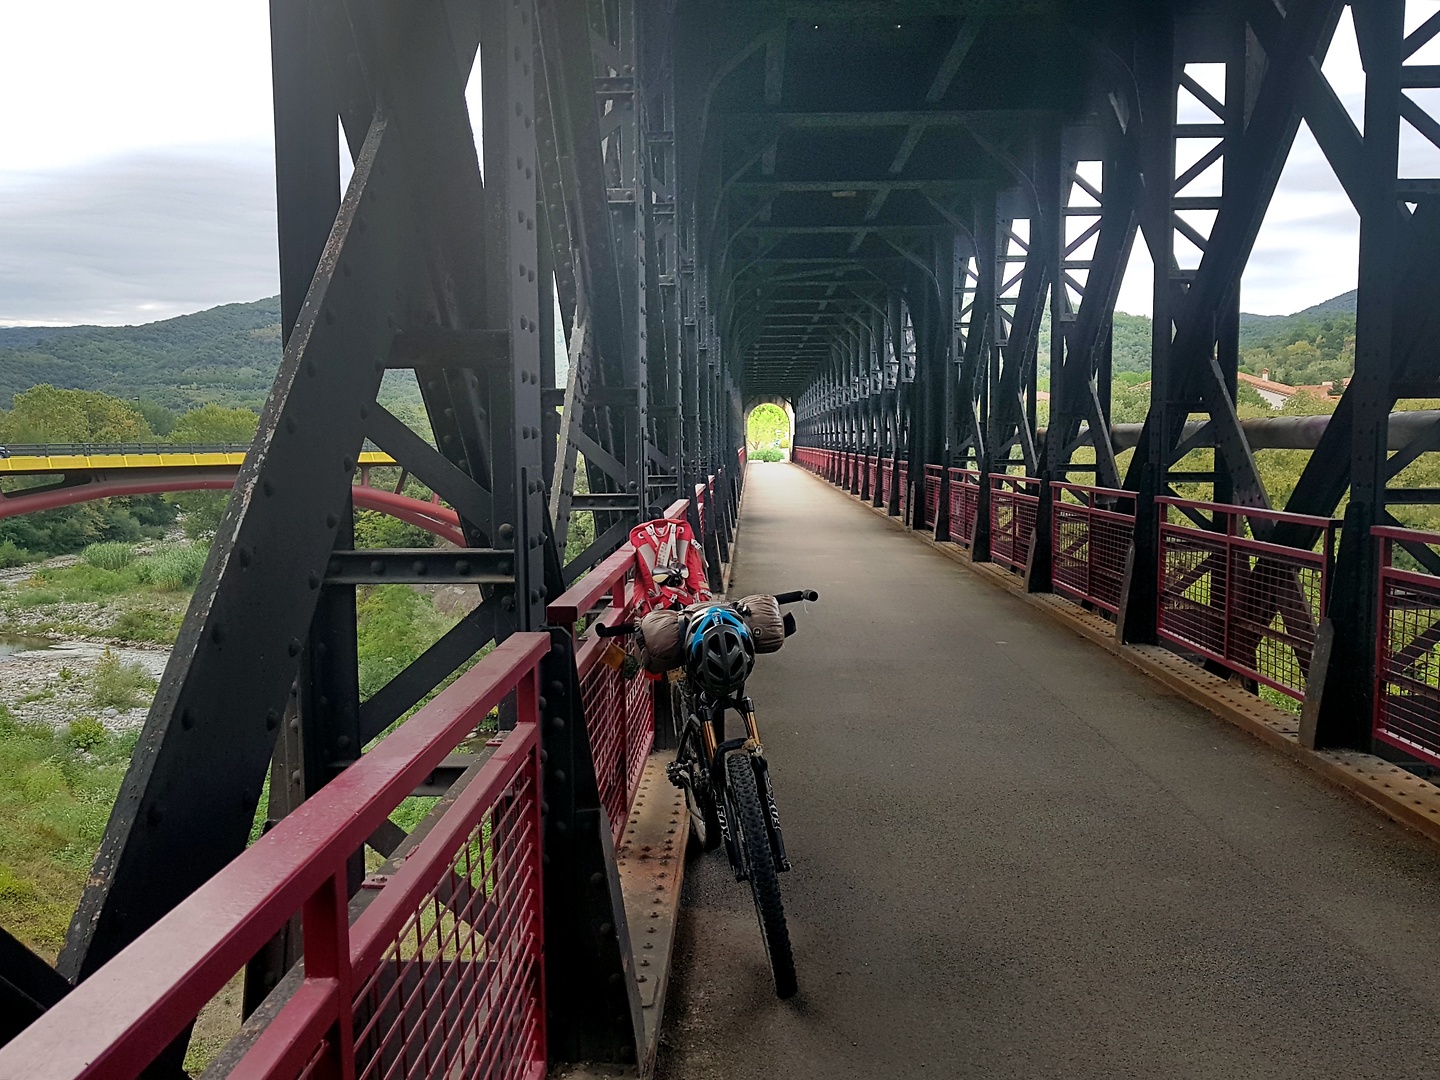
[[1250, 605], [964, 504], [933, 475], [619, 712], [887, 480], [440, 975], [904, 491], [1014, 504], [872, 474], [1091, 531], [1407, 666]]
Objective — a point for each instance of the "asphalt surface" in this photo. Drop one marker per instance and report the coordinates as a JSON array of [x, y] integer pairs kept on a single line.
[[1017, 857]]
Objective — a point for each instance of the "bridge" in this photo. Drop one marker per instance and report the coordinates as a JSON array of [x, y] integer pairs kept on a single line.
[[55, 476], [1097, 761]]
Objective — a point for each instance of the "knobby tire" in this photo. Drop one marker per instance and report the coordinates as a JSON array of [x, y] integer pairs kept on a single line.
[[754, 839]]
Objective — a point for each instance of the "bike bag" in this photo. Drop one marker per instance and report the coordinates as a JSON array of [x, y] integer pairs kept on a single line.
[[662, 641], [762, 615]]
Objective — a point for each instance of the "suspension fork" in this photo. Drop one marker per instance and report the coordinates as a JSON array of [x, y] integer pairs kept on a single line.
[[762, 776]]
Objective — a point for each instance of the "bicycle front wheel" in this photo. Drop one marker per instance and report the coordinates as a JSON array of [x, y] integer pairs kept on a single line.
[[747, 820]]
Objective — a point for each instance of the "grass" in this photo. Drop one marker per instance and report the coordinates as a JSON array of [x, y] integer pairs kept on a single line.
[[111, 556], [118, 685], [57, 787], [56, 791], [172, 567]]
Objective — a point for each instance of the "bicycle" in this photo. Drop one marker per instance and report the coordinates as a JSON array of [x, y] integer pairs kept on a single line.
[[727, 785]]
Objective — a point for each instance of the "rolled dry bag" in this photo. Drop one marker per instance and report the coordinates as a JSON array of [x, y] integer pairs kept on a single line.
[[762, 615], [662, 641]]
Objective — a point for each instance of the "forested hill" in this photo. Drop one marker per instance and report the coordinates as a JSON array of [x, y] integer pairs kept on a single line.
[[1305, 349], [226, 355]]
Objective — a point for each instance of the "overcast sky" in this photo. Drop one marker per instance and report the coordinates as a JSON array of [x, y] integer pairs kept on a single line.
[[137, 172]]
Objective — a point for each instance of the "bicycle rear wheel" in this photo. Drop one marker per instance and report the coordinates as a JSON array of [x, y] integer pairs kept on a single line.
[[747, 821]]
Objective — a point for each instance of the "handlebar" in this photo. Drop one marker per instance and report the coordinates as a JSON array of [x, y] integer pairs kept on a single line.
[[796, 596], [618, 630], [623, 629]]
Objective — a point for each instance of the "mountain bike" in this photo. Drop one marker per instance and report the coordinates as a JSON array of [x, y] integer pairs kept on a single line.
[[728, 792]]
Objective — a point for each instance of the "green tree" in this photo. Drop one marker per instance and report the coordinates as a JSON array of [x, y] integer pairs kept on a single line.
[[45, 414], [160, 419], [213, 423], [768, 427], [210, 423]]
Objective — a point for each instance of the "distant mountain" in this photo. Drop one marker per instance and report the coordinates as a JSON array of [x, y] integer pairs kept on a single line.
[[1344, 304], [227, 355]]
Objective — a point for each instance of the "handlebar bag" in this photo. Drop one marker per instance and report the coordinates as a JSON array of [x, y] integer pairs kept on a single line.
[[662, 641], [762, 615]]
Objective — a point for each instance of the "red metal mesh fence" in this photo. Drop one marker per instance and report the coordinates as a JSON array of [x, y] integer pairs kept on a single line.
[[1250, 605], [1090, 538], [441, 973], [905, 491], [933, 475], [1014, 503], [455, 990], [964, 503], [887, 479], [1407, 666]]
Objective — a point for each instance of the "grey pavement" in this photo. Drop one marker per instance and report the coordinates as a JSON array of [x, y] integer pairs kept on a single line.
[[1017, 857]]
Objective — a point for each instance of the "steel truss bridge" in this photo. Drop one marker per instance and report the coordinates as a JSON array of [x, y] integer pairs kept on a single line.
[[867, 209]]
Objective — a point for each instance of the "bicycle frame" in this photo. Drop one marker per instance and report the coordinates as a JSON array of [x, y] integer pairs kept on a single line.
[[705, 726]]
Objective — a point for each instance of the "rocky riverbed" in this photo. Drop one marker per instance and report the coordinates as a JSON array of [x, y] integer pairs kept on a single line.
[[54, 683]]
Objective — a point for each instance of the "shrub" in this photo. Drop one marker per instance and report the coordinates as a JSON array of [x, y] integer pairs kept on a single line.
[[79, 584], [768, 453], [172, 567], [376, 530], [12, 555], [109, 555], [119, 685], [146, 624], [87, 733]]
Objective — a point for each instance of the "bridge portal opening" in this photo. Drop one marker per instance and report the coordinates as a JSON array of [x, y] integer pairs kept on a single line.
[[769, 430]]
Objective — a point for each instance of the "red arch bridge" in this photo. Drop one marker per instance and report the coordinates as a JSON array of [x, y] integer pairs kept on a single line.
[[1100, 756]]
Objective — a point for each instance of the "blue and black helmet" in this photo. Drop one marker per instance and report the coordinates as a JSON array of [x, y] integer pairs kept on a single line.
[[719, 651]]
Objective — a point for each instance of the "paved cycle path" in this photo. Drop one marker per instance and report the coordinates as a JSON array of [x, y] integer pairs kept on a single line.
[[1017, 857]]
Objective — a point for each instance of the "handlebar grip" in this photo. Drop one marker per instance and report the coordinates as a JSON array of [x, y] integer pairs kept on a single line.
[[618, 630], [796, 596]]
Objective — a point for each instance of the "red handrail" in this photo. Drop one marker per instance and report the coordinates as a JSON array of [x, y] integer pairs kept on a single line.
[[119, 1019]]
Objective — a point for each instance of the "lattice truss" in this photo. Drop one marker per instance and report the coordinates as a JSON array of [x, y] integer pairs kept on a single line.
[[465, 244]]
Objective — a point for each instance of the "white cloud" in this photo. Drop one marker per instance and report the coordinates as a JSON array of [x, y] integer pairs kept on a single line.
[[87, 80], [136, 176], [137, 238], [1308, 246]]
